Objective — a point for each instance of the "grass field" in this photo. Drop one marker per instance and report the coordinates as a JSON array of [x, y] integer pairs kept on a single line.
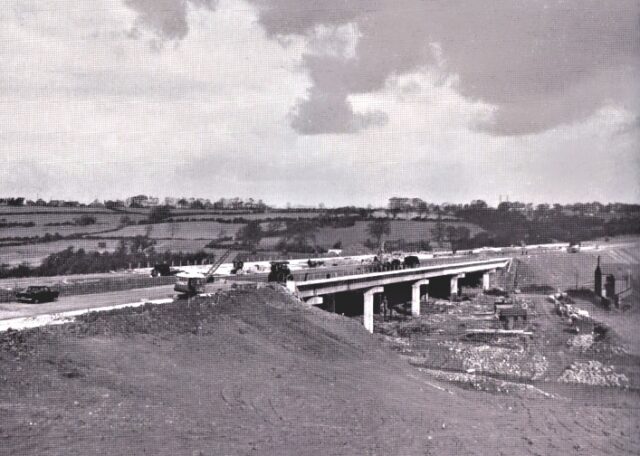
[[35, 253], [175, 236], [18, 210], [179, 230], [563, 270], [410, 231], [266, 215], [104, 221]]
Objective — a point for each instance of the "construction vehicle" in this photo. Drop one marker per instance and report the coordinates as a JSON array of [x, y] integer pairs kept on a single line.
[[37, 294], [385, 262], [280, 272], [190, 283], [574, 247], [163, 269], [193, 283], [411, 261], [238, 264]]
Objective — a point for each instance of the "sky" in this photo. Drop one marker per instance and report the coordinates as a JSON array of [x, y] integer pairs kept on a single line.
[[337, 102]]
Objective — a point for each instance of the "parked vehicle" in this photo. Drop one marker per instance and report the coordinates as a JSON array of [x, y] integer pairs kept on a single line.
[[163, 269], [37, 294], [386, 263]]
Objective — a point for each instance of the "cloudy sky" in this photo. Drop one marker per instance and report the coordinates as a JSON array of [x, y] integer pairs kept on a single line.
[[339, 101]]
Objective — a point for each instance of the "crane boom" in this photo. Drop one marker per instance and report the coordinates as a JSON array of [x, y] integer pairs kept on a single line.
[[216, 265]]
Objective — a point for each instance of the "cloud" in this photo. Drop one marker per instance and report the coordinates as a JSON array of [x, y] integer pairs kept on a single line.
[[88, 112], [540, 64], [631, 127], [330, 112], [166, 18]]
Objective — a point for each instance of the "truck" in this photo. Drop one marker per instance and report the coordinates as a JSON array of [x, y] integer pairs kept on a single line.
[[411, 261], [163, 269], [280, 272], [37, 294]]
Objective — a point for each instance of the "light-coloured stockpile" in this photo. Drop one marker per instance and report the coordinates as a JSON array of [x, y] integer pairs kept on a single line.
[[593, 373], [500, 360], [581, 342]]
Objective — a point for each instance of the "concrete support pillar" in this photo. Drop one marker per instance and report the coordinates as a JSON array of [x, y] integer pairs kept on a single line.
[[416, 297], [455, 289], [314, 301], [368, 307], [291, 286], [486, 280], [331, 303]]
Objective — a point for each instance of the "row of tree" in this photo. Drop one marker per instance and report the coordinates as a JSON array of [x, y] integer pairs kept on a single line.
[[71, 261]]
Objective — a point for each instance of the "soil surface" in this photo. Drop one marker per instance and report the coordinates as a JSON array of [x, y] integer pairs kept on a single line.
[[257, 372]]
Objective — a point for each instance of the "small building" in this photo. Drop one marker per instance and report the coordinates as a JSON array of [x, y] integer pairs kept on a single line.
[[512, 317], [611, 282]]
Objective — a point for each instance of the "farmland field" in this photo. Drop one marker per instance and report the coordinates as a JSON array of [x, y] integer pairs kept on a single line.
[[258, 216], [410, 231], [18, 210], [62, 223], [35, 253], [563, 271], [179, 230]]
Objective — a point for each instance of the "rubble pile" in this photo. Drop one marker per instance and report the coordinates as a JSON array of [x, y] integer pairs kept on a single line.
[[593, 373], [499, 360], [581, 342], [442, 306]]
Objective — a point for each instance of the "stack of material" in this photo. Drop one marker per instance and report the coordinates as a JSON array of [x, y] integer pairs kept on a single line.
[[581, 343], [518, 363], [594, 373]]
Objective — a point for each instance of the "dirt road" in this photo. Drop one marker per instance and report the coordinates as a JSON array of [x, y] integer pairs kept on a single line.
[[65, 303]]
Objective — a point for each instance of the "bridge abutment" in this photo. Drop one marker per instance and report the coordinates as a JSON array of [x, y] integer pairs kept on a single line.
[[314, 301]]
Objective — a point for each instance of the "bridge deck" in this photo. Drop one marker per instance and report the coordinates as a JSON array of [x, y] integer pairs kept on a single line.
[[358, 281]]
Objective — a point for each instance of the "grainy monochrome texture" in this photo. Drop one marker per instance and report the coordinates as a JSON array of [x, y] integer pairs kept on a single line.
[[337, 227]]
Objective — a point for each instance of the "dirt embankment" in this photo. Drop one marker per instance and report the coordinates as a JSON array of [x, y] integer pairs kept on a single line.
[[256, 372]]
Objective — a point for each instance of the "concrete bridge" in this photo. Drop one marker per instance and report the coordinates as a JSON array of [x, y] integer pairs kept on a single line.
[[371, 284]]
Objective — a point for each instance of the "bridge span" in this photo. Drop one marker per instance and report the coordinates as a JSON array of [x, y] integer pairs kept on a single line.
[[372, 284]]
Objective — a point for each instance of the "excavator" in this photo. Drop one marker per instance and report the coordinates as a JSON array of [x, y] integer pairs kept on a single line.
[[193, 283]]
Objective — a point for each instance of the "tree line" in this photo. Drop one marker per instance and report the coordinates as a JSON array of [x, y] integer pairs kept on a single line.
[[71, 261]]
